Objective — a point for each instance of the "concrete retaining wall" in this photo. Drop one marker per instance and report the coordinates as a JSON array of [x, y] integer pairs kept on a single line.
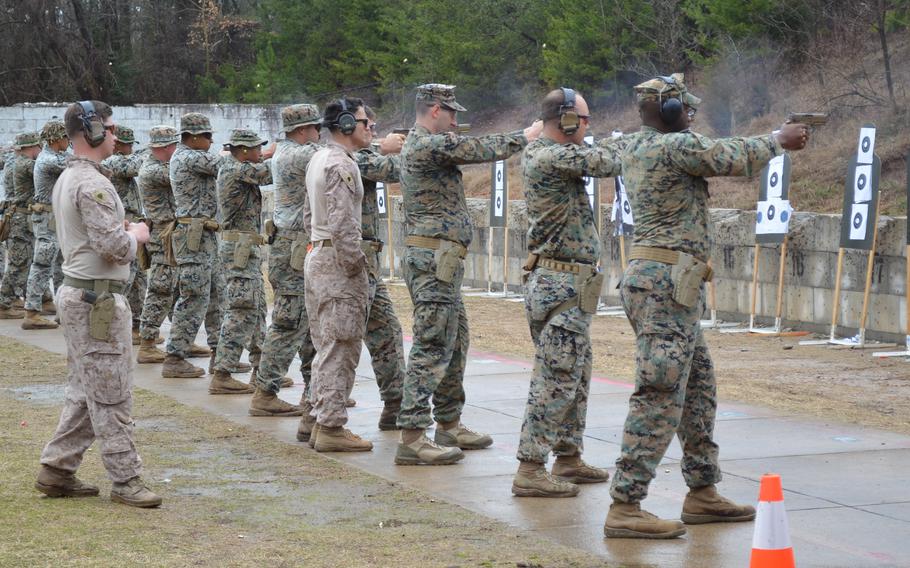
[[809, 274]]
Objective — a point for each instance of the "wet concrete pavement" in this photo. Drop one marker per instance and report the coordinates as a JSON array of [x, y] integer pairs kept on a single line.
[[845, 487]]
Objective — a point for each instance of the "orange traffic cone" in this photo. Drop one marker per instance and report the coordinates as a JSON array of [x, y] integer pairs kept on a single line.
[[771, 547]]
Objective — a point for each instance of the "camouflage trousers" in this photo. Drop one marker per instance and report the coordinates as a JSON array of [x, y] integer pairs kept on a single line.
[[159, 299], [199, 290], [337, 307], [135, 292], [47, 263], [243, 323], [19, 258], [675, 389], [440, 349], [99, 385], [384, 341], [289, 332], [558, 397]]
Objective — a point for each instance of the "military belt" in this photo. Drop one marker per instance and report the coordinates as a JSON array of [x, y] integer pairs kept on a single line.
[[236, 236], [207, 223], [97, 286], [371, 246], [560, 265], [323, 242], [291, 235], [40, 208], [665, 256], [433, 243]]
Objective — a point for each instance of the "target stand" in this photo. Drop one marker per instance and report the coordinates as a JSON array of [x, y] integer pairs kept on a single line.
[[715, 323]]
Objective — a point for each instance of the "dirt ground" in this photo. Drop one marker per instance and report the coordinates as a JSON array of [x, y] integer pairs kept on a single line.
[[841, 385], [232, 497]]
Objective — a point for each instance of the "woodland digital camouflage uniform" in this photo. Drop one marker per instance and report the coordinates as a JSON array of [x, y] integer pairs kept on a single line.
[[199, 277], [47, 260], [19, 245], [675, 388], [155, 187], [562, 227], [435, 206], [289, 332], [243, 323], [383, 336]]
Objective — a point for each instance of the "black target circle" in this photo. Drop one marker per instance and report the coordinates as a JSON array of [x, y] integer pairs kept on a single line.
[[771, 212], [861, 181], [774, 179], [857, 220], [626, 207], [866, 143], [498, 175], [498, 202]]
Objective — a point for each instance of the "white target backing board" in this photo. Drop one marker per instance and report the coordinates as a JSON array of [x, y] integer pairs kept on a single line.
[[382, 198], [623, 222], [773, 213], [858, 219], [499, 196]]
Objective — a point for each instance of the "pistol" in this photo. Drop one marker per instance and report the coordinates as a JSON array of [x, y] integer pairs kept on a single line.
[[464, 127], [403, 131], [808, 118]]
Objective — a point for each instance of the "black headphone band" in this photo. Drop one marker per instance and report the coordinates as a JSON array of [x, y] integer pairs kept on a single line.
[[568, 98]]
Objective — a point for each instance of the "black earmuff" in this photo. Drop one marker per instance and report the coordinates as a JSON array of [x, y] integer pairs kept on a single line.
[[672, 108], [92, 126], [346, 122], [569, 122]]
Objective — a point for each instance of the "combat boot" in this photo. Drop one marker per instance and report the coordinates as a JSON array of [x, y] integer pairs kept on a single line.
[[148, 353], [199, 351], [137, 339], [55, 482], [350, 403], [12, 313], [223, 383], [241, 367], [33, 320], [265, 403], [135, 494], [18, 303], [423, 450], [306, 430], [315, 432], [458, 435], [574, 469], [627, 520], [340, 439], [286, 382], [533, 480], [176, 368], [48, 308], [388, 420], [706, 505]]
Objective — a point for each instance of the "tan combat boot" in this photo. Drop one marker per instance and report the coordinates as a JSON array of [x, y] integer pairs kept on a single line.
[[135, 494], [574, 469], [223, 383], [388, 420], [306, 430], [48, 308], [137, 339], [199, 351], [415, 448], [286, 382], [148, 353], [55, 482], [33, 320], [340, 439], [176, 368], [460, 436], [706, 505], [315, 432], [533, 480], [19, 303], [12, 313], [265, 403], [627, 520]]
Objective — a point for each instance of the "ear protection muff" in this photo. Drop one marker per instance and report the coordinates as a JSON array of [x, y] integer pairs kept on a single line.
[[569, 123], [671, 108], [92, 126], [346, 121]]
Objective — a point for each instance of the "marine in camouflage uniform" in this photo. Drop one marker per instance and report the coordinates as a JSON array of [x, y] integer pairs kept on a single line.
[[200, 281], [240, 198], [565, 250], [439, 228], [47, 259], [664, 167], [98, 403], [124, 166], [383, 336], [289, 332], [154, 185], [19, 245]]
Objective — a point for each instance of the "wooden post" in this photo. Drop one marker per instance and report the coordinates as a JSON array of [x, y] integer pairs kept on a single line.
[[837, 279], [490, 261], [390, 244], [754, 286], [505, 259], [780, 284], [622, 250], [870, 263]]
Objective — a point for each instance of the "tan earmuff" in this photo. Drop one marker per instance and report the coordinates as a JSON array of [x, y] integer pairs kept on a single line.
[[569, 122], [92, 125]]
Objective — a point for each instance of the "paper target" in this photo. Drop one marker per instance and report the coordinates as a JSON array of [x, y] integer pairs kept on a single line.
[[499, 196], [773, 217], [381, 197], [859, 219], [866, 147], [776, 177], [773, 213], [862, 184], [622, 209]]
